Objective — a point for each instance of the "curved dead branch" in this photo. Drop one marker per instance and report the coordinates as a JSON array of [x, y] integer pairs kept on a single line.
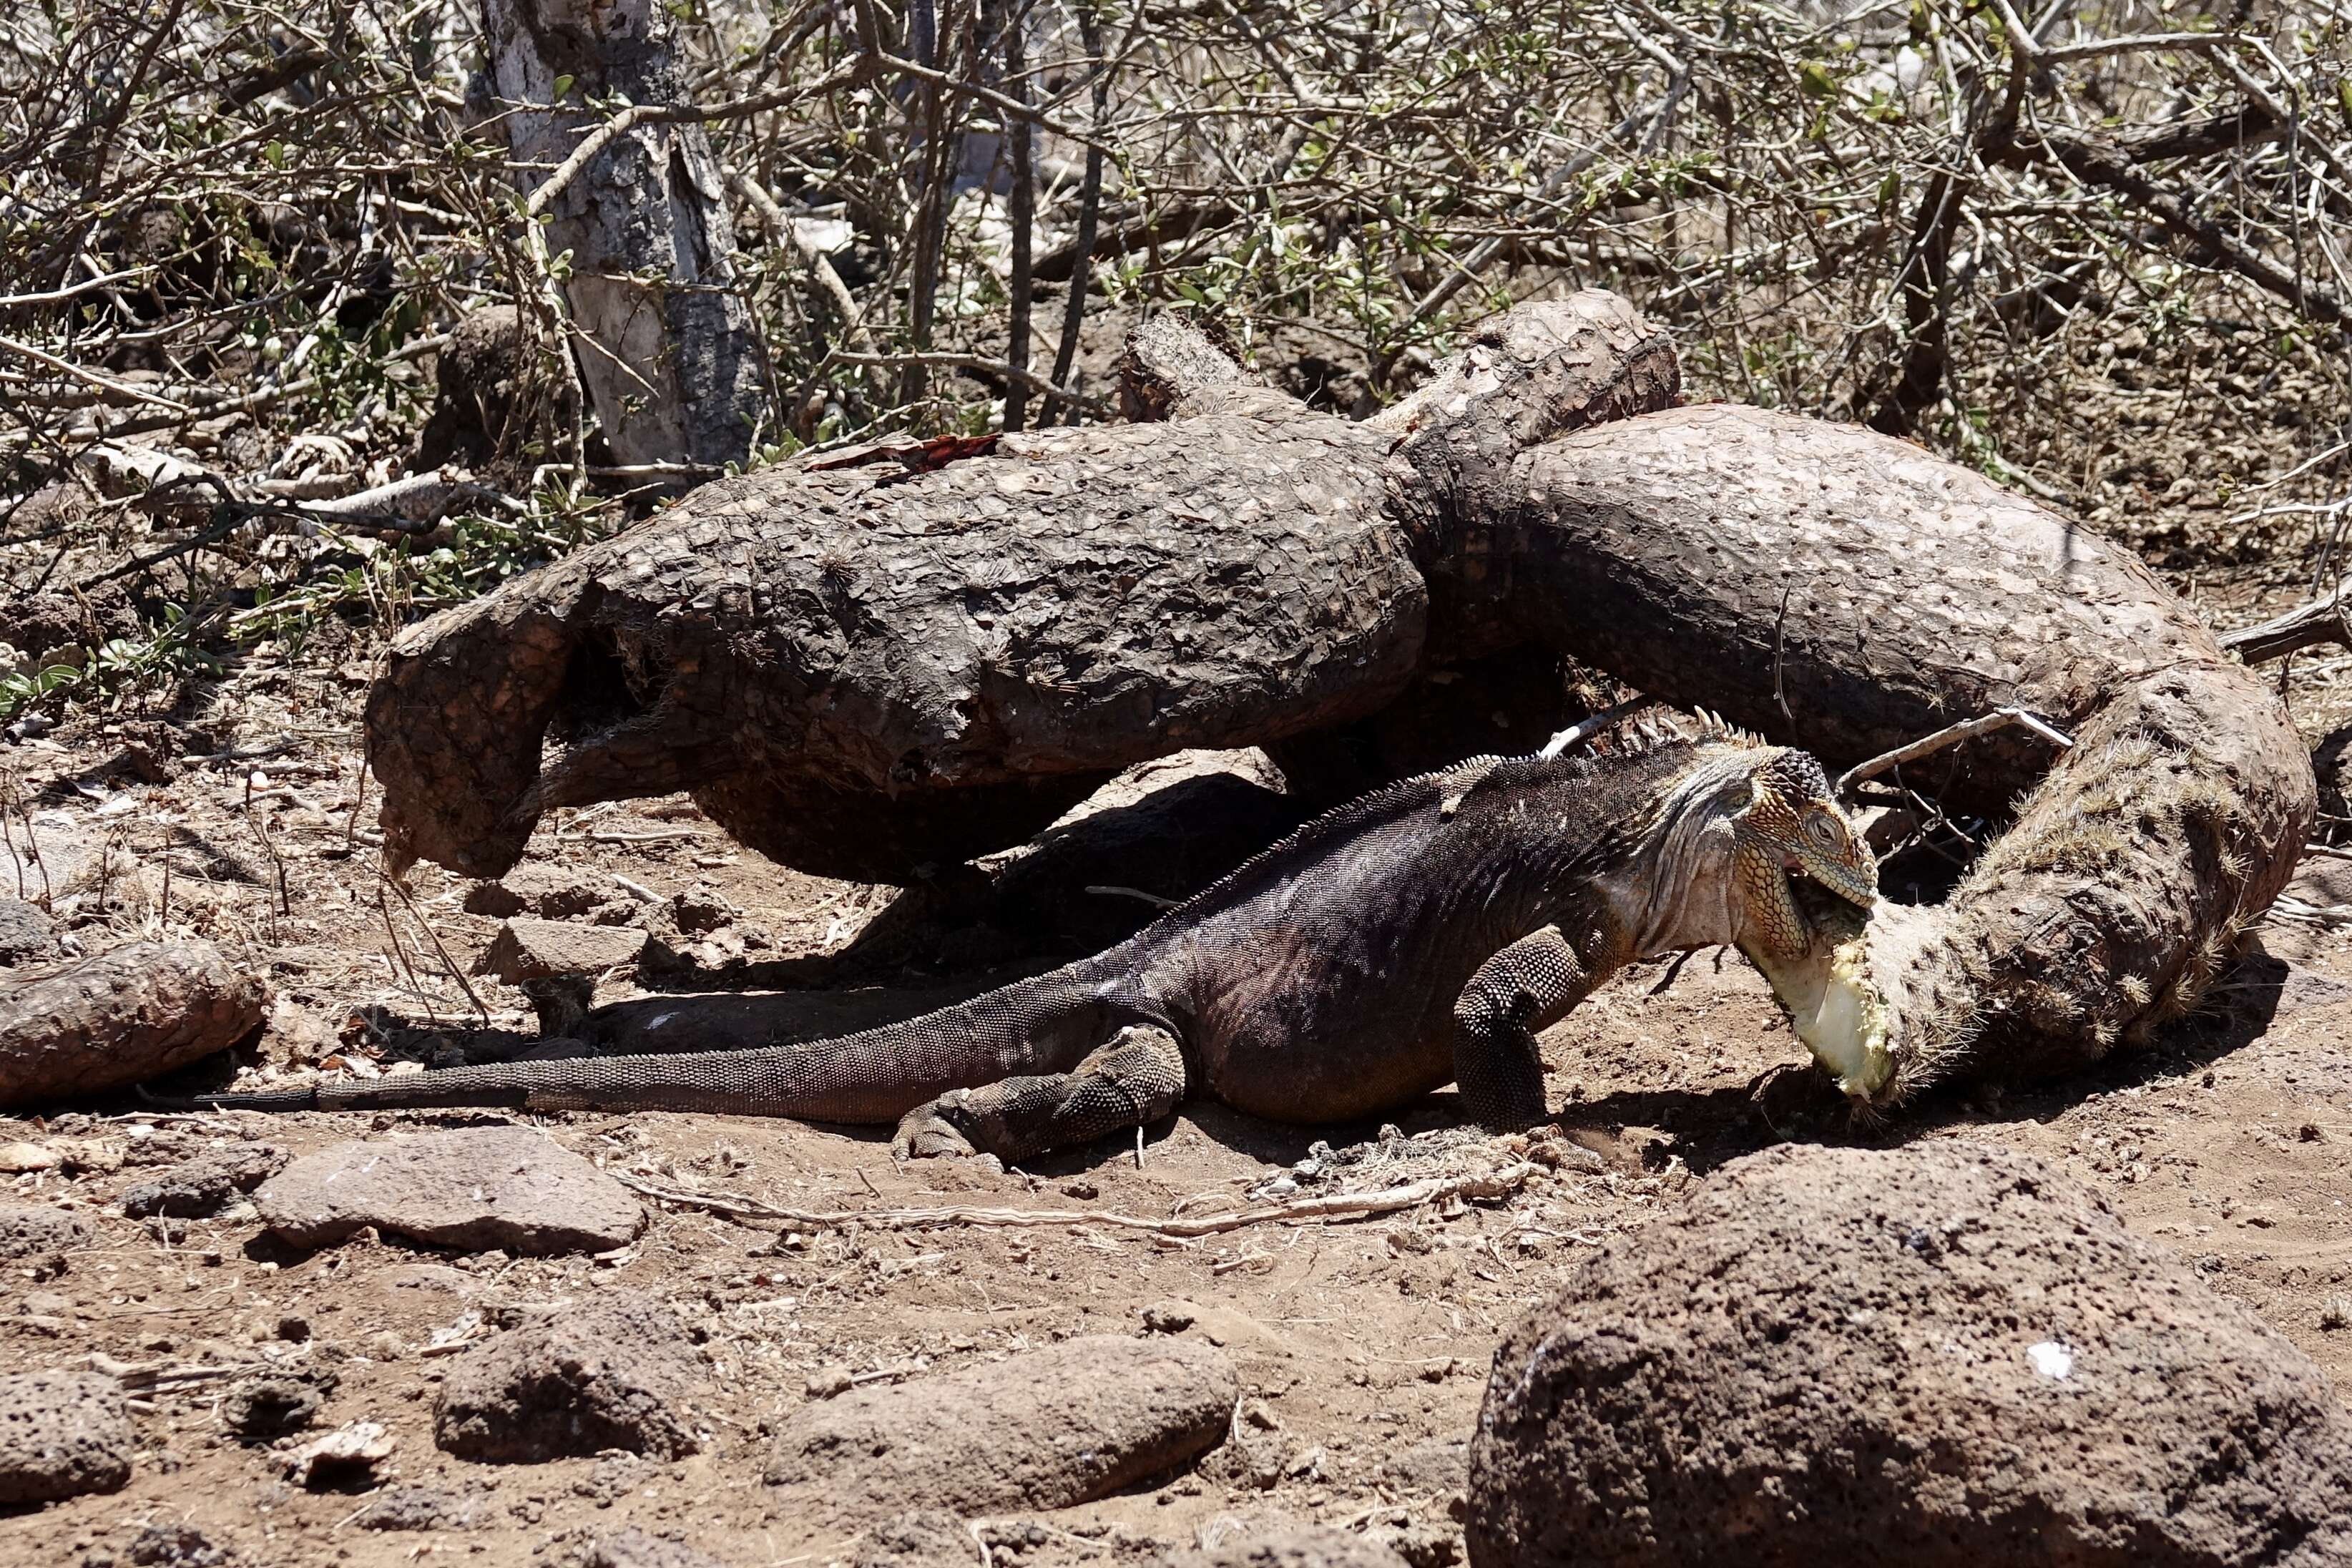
[[2306, 626]]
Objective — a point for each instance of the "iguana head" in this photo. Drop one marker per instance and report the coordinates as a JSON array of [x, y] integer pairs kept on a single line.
[[1808, 946], [1750, 846], [1792, 825], [1737, 826]]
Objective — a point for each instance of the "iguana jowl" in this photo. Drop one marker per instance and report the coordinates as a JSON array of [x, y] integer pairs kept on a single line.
[[1423, 933]]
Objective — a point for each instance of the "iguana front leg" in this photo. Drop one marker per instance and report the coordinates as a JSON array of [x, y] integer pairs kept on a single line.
[[1527, 987], [1138, 1077]]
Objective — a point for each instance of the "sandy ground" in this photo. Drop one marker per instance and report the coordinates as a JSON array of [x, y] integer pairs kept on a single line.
[[1362, 1345]]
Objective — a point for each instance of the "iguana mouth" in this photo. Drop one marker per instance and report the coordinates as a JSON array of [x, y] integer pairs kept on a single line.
[[1806, 888], [1827, 994]]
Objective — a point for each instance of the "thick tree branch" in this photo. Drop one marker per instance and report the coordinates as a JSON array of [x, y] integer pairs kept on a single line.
[[2323, 620]]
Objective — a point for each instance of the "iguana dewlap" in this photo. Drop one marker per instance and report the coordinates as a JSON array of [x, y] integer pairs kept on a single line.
[[1422, 934]]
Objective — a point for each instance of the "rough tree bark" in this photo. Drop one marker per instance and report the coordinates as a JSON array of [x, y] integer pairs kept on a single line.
[[861, 669], [921, 647], [672, 358], [857, 672]]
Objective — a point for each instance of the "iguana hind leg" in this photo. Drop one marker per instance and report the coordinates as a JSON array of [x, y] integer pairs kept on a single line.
[[1138, 1077], [1527, 987]]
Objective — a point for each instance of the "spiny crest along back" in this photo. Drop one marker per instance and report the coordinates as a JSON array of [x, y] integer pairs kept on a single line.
[[1657, 725]]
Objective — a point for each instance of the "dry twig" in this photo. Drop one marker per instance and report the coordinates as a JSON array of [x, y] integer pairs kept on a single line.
[[1484, 1185], [1951, 734]]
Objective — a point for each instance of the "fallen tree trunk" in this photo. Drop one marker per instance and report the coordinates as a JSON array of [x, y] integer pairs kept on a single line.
[[861, 669], [941, 656], [857, 672], [123, 1017]]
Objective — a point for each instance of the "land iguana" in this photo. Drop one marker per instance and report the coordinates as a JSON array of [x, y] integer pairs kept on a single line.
[[1424, 933]]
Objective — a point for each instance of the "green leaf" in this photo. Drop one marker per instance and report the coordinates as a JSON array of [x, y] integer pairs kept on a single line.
[[1816, 80], [562, 85]]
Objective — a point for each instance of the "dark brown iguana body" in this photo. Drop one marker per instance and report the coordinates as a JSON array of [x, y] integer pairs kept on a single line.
[[1420, 934]]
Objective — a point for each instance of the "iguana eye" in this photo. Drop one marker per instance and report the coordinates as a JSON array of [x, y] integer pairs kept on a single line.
[[1824, 832]]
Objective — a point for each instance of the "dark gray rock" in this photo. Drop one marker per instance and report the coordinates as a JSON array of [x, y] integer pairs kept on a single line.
[[614, 1372], [205, 1185], [473, 1188], [25, 934], [62, 1433], [277, 1404], [551, 892], [41, 1234], [178, 1546], [702, 908], [415, 1508], [1941, 1355]]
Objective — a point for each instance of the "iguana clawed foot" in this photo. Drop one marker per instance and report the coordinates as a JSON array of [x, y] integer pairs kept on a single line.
[[930, 1131], [1136, 1076]]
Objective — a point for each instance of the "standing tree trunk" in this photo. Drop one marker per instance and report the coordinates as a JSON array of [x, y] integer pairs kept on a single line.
[[1022, 285], [670, 359]]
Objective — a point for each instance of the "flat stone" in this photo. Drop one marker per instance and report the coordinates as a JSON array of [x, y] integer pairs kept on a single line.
[[633, 1548], [614, 1372], [204, 1186], [1942, 1355], [471, 1188], [527, 949], [1048, 1428], [62, 1433]]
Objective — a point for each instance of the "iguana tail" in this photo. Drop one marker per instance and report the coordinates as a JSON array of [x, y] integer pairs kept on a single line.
[[1041, 1025]]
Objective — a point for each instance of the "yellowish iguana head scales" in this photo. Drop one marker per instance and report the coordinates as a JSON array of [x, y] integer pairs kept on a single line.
[[1793, 825], [1810, 948], [1750, 847]]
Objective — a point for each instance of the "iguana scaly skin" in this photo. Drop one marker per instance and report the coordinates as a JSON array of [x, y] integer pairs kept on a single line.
[[1423, 933]]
